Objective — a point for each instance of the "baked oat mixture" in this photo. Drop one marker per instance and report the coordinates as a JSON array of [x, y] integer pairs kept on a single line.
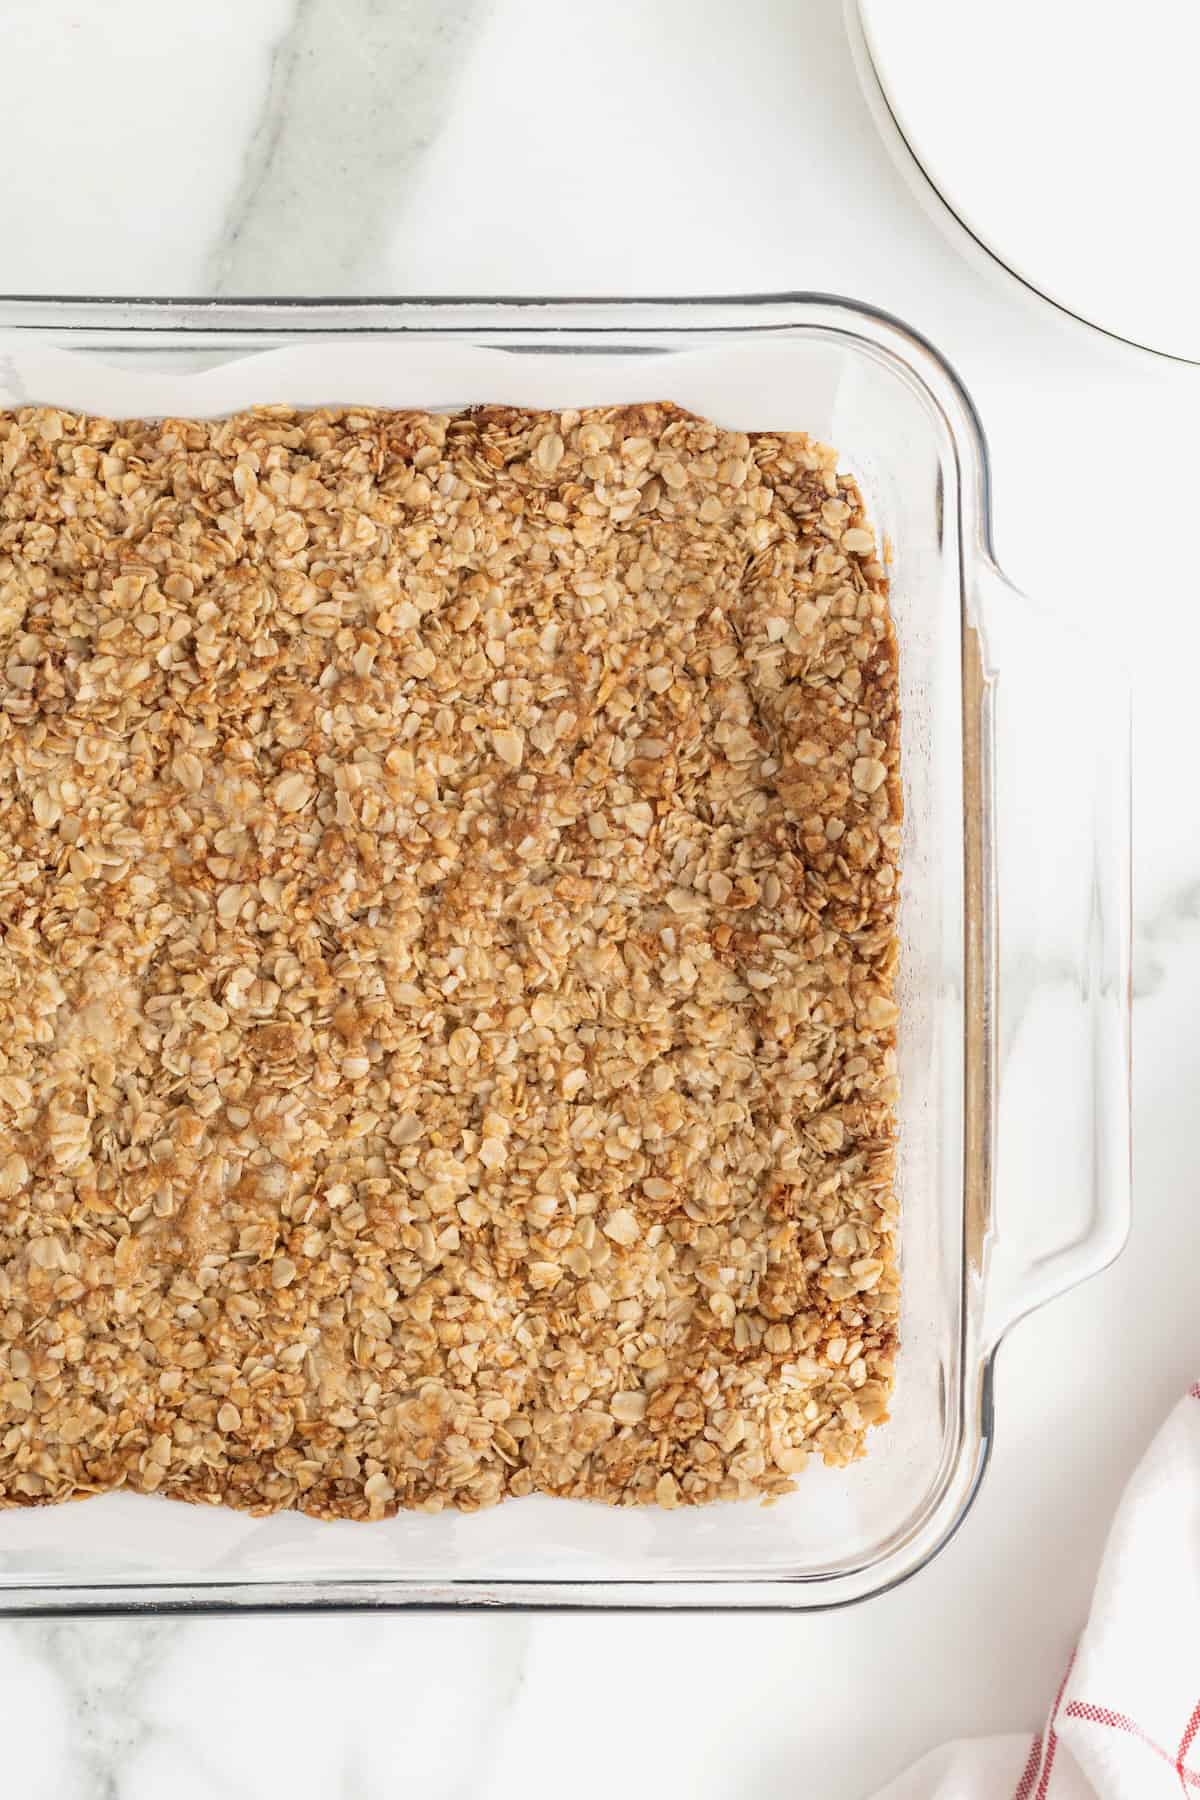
[[447, 934]]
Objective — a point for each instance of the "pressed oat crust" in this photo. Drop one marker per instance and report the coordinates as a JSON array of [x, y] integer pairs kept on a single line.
[[448, 903]]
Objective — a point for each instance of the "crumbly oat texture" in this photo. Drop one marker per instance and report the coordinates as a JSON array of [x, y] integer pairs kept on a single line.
[[448, 897]]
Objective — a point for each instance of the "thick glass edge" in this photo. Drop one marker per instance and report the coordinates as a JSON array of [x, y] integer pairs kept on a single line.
[[120, 324], [116, 322], [260, 322]]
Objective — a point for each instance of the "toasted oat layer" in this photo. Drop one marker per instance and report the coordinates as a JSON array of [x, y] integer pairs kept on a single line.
[[448, 891]]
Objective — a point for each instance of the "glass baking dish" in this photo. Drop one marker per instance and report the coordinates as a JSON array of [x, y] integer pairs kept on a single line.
[[1015, 929]]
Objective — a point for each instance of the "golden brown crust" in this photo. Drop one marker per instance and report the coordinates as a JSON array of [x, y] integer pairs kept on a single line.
[[448, 903]]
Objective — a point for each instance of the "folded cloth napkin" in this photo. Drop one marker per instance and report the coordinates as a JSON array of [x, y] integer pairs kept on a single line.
[[1126, 1721]]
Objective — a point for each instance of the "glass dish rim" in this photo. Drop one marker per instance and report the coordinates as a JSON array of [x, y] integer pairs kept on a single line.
[[185, 321]]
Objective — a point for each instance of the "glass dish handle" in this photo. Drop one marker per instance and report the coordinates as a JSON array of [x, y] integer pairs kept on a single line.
[[1053, 962]]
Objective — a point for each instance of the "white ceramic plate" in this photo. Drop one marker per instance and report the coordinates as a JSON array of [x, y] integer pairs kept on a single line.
[[1065, 136]]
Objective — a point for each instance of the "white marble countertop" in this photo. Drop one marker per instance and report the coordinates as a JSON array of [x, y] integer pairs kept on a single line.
[[524, 146]]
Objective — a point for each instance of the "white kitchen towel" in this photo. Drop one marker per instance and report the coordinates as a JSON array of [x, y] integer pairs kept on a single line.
[[1125, 1724]]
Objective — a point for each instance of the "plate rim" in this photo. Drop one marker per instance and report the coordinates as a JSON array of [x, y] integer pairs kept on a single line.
[[951, 221]]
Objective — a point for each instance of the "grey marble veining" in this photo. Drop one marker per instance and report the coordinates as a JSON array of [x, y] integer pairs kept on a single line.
[[319, 1708], [1175, 921], [355, 92], [95, 1674]]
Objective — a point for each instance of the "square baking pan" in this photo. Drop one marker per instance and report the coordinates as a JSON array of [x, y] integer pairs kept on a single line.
[[1014, 1114]]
